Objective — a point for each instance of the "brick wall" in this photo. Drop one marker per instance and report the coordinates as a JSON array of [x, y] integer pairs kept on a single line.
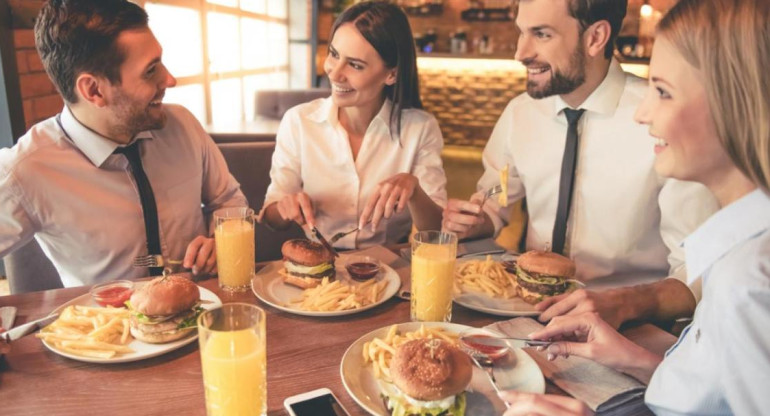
[[467, 99], [39, 96]]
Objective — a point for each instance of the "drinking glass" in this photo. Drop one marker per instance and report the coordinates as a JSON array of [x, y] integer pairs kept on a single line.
[[234, 236], [233, 359], [433, 264]]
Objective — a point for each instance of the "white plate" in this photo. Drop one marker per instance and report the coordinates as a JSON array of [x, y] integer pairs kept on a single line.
[[141, 349], [519, 372], [482, 302], [269, 287]]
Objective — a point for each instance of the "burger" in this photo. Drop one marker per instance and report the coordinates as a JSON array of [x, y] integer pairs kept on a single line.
[[306, 263], [429, 379], [542, 273], [164, 310]]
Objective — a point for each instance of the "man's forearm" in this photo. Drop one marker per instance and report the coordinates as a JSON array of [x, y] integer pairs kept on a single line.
[[662, 301], [483, 230]]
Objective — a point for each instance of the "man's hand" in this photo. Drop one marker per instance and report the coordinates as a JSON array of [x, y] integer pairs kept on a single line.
[[460, 217], [527, 404], [587, 335], [389, 197], [201, 256], [608, 304], [298, 208]]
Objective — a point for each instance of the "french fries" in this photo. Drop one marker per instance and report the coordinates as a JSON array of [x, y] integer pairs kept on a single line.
[[339, 296], [89, 332], [486, 276], [502, 198], [379, 352]]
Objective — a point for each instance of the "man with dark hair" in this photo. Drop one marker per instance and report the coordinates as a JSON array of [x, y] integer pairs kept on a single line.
[[116, 174], [570, 145]]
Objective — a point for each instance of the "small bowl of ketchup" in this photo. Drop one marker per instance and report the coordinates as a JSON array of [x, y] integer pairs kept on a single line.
[[114, 293], [492, 352], [362, 268]]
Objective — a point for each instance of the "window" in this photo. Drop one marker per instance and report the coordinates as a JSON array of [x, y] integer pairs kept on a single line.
[[221, 52]]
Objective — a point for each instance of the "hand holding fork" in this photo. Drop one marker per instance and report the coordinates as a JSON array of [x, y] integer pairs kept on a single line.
[[461, 217]]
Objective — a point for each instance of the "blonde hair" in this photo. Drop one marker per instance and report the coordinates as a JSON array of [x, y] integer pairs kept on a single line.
[[729, 42]]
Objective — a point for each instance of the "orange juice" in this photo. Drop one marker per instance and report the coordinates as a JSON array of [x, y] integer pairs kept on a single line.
[[234, 373], [432, 282], [235, 252]]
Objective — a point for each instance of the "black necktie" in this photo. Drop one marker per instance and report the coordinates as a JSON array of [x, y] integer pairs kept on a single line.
[[149, 209], [567, 180]]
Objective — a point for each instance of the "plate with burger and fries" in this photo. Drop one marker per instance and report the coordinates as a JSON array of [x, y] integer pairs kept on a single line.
[[422, 368], [160, 316], [310, 281], [511, 288]]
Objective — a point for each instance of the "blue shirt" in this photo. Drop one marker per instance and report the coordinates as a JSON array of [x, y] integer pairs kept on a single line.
[[721, 363]]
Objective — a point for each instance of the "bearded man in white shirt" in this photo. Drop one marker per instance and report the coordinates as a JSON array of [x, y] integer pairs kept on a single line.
[[116, 175], [624, 223]]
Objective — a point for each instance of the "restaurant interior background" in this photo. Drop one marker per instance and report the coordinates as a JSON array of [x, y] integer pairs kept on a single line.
[[223, 52]]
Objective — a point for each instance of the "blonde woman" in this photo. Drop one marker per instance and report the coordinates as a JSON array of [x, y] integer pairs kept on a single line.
[[708, 105]]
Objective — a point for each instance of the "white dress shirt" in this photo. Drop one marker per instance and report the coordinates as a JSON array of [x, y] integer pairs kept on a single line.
[[313, 155], [626, 222], [82, 204], [721, 363]]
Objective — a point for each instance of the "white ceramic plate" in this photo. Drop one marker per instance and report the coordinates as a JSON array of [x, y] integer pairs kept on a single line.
[[269, 287], [142, 350], [518, 372], [482, 302]]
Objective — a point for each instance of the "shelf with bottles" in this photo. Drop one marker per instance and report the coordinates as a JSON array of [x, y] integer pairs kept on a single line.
[[425, 10], [487, 15]]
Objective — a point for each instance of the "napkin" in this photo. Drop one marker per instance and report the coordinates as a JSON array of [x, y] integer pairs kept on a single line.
[[400, 265], [603, 389]]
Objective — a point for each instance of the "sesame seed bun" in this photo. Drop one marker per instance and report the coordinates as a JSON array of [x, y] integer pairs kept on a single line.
[[430, 369]]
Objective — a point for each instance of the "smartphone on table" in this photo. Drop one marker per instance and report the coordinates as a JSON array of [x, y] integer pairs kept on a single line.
[[321, 402]]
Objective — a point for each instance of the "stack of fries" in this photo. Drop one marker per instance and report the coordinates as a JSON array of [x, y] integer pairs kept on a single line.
[[89, 332], [486, 276], [338, 296], [379, 352]]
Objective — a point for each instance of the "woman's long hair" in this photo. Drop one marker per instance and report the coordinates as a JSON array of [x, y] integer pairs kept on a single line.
[[729, 42], [386, 28]]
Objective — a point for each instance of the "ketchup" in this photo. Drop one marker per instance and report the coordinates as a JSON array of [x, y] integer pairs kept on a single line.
[[490, 351], [362, 271], [113, 296]]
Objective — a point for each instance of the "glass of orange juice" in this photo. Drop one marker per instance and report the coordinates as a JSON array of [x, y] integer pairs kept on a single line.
[[234, 360], [234, 237], [433, 264]]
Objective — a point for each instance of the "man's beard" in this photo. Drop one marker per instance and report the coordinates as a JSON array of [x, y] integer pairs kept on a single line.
[[135, 120], [560, 82]]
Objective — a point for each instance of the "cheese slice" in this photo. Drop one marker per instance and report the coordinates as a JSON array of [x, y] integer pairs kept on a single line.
[[502, 197]]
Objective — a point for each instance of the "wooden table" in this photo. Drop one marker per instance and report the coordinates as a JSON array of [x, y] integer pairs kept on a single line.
[[303, 354]]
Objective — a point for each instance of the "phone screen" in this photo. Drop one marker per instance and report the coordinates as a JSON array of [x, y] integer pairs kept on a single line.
[[324, 405]]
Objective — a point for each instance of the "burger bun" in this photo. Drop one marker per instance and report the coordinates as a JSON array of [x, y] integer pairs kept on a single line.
[[430, 369]]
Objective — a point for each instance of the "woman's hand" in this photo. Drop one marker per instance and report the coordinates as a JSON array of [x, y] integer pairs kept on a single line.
[[528, 404], [389, 197], [587, 335], [298, 208]]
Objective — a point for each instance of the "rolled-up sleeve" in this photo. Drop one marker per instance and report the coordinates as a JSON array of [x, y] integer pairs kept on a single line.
[[428, 168], [286, 167], [17, 227], [684, 206]]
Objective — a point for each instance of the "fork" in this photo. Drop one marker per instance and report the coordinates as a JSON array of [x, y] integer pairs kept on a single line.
[[485, 363], [154, 260], [491, 192], [339, 235]]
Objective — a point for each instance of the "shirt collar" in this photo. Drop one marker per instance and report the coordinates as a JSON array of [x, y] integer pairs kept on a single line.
[[96, 147], [605, 98], [730, 226], [328, 112]]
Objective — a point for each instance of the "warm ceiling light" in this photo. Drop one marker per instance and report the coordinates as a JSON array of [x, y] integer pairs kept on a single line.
[[646, 10]]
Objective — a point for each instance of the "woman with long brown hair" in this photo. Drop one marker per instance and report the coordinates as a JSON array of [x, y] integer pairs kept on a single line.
[[368, 153]]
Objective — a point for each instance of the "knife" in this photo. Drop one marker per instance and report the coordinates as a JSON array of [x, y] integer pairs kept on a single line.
[[323, 241], [28, 328], [501, 342], [488, 372]]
